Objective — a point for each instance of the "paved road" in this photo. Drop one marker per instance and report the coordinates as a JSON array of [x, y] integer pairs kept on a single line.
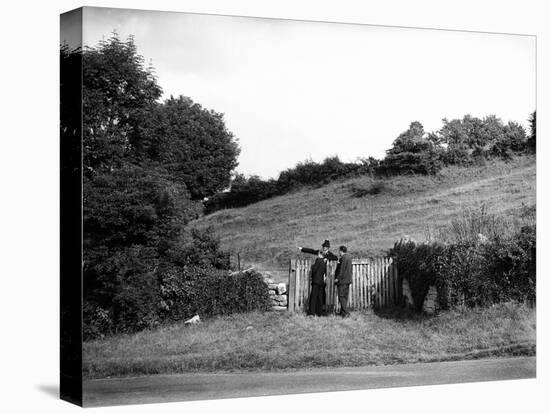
[[185, 387]]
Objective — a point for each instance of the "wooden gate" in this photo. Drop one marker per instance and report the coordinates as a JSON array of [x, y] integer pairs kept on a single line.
[[375, 284]]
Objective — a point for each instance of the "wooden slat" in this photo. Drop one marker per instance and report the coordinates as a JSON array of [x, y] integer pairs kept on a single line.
[[386, 282], [382, 282], [392, 282], [299, 276], [380, 301], [375, 283], [291, 284], [395, 286], [369, 284], [363, 285], [353, 291], [360, 285]]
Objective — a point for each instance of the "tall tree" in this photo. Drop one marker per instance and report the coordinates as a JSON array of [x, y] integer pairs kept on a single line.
[[191, 143], [117, 91], [413, 152]]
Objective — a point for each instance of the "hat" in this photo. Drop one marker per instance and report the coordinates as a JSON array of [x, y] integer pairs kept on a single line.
[[326, 243]]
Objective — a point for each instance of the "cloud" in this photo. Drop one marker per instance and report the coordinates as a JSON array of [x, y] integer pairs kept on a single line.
[[292, 90]]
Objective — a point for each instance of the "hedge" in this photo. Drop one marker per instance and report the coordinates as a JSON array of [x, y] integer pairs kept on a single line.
[[478, 273], [174, 294]]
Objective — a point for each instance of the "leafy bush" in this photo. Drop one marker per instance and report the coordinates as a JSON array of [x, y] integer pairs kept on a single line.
[[207, 292], [144, 165], [199, 248], [244, 191], [310, 173], [469, 138], [412, 153], [418, 264], [425, 163], [512, 265], [481, 263], [248, 190]]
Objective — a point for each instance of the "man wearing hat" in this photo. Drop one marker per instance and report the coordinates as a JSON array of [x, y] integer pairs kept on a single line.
[[327, 254], [342, 279]]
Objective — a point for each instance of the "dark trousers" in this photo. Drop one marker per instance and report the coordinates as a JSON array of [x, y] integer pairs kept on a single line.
[[316, 300], [343, 294]]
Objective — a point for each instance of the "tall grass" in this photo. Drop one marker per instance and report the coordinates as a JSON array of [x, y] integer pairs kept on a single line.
[[476, 225], [272, 341]]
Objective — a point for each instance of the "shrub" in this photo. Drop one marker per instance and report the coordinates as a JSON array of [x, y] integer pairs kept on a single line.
[[425, 163], [207, 292], [511, 264], [418, 264], [310, 173], [412, 152], [244, 191], [481, 264], [248, 190], [473, 226], [199, 248]]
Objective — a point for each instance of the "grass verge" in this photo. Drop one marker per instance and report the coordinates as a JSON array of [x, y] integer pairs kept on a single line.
[[282, 341]]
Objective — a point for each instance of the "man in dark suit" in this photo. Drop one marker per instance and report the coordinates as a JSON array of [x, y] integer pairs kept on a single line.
[[327, 255], [325, 250], [342, 278], [317, 297]]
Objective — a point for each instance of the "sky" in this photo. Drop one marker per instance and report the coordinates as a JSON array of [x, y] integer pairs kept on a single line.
[[297, 90]]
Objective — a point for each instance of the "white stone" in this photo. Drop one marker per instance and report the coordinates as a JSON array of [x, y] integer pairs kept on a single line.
[[195, 319], [281, 288], [278, 308]]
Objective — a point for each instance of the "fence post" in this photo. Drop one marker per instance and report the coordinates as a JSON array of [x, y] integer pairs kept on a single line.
[[291, 284]]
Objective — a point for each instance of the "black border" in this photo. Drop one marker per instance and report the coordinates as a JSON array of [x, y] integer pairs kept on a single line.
[[71, 224]]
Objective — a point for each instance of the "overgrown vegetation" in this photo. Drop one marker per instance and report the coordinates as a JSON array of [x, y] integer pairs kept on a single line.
[[482, 260], [466, 141], [248, 190], [147, 165], [271, 341]]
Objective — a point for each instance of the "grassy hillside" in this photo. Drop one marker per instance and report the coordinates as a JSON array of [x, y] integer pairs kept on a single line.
[[266, 233]]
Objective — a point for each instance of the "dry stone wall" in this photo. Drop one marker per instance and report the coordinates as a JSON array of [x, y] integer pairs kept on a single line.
[[431, 300], [278, 293]]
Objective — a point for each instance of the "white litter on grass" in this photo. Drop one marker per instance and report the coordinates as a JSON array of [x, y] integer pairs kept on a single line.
[[193, 320]]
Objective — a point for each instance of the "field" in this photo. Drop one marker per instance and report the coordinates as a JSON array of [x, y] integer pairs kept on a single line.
[[266, 234], [283, 341]]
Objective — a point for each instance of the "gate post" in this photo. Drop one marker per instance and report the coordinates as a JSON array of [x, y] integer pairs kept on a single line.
[[291, 284]]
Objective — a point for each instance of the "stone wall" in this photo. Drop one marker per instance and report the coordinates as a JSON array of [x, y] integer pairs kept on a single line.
[[431, 302], [430, 305], [278, 294]]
